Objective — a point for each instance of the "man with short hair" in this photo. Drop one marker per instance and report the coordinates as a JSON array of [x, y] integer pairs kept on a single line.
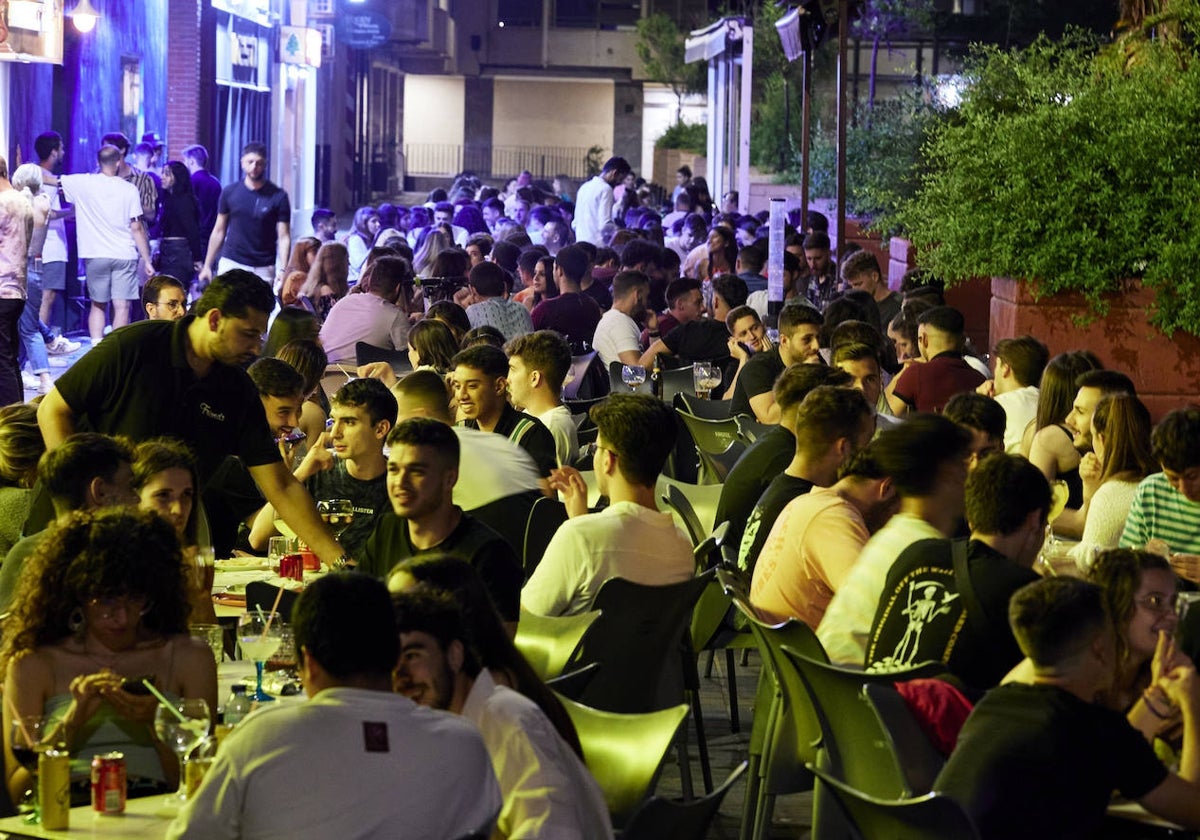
[[480, 385], [749, 266], [1091, 386], [205, 185], [422, 469], [983, 418], [594, 200], [799, 327], [443, 214], [50, 152], [142, 181], [89, 471], [1165, 514], [324, 224], [832, 424], [861, 362], [685, 302], [547, 791], [821, 284], [746, 328], [556, 236], [253, 226], [108, 218], [493, 211], [630, 538], [375, 316], [397, 763], [926, 459], [184, 379], [860, 271], [164, 298], [617, 338], [572, 314], [1044, 758], [705, 339], [1018, 373], [537, 365], [815, 540], [929, 384], [947, 600], [346, 462], [489, 285]]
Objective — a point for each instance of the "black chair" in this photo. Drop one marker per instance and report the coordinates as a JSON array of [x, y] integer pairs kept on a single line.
[[665, 819], [706, 409], [581, 406], [508, 515], [919, 760], [365, 353], [575, 682], [675, 500], [261, 595], [677, 381], [585, 379], [717, 443], [617, 386], [544, 518], [749, 429], [933, 816]]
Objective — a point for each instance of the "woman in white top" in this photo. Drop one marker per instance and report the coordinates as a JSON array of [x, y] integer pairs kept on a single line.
[[1120, 460]]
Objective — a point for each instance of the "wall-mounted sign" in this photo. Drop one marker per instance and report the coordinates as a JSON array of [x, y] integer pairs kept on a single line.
[[299, 45], [363, 29], [31, 30], [244, 50], [258, 11]]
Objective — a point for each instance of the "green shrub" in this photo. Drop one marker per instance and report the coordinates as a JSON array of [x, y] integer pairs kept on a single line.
[[691, 137]]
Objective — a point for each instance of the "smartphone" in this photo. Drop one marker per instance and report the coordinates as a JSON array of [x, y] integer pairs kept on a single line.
[[294, 436], [136, 686]]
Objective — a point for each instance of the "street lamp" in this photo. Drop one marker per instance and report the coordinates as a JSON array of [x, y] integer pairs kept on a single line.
[[85, 16]]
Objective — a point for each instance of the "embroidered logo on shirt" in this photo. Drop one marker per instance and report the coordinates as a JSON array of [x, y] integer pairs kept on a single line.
[[375, 736], [208, 412]]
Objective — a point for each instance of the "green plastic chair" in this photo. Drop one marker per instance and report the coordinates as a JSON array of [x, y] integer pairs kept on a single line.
[[697, 503], [624, 751], [666, 818], [717, 443], [933, 816], [547, 642]]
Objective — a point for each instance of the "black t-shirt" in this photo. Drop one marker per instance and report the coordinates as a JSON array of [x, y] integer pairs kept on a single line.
[[137, 383], [251, 233], [599, 293], [703, 340], [1038, 763], [369, 498], [572, 315], [782, 489], [229, 498], [924, 615], [471, 540], [757, 377], [766, 458], [529, 433], [208, 195]]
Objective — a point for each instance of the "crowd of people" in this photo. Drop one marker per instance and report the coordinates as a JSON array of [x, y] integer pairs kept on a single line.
[[897, 500]]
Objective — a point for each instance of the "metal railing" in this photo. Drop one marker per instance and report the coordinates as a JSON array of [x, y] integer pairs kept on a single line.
[[496, 161]]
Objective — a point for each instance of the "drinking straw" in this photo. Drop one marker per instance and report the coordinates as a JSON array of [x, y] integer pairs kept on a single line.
[[12, 710], [261, 617], [164, 701], [274, 612], [348, 375]]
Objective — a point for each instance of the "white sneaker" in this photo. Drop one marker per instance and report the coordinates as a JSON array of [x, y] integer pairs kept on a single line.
[[62, 346], [30, 381], [59, 362]]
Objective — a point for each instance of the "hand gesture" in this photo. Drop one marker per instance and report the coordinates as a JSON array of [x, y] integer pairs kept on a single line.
[[987, 388], [318, 459], [377, 370], [1167, 657], [737, 351], [88, 691], [1090, 470], [138, 708], [204, 277], [569, 482]]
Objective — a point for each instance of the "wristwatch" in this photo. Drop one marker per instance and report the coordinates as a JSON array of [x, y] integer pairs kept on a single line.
[[342, 563]]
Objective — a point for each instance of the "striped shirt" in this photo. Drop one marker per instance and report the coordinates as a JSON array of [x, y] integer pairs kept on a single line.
[[1161, 512]]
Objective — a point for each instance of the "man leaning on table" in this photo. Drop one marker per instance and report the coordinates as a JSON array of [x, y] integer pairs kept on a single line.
[[398, 769]]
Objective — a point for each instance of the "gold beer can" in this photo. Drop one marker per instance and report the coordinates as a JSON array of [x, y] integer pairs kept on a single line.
[[54, 789]]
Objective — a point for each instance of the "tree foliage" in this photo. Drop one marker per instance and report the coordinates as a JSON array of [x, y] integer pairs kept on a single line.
[[660, 47]]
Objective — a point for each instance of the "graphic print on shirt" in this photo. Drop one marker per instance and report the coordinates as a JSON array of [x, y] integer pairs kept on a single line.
[[921, 621]]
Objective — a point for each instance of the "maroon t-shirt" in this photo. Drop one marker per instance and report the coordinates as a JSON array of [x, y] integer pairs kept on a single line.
[[930, 385], [572, 315]]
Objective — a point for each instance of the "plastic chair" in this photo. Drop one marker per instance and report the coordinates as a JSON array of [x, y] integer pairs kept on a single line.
[[713, 629], [577, 376], [365, 353], [716, 442], [260, 594], [750, 430], [933, 816], [581, 407], [544, 518], [695, 502], [547, 642], [508, 516], [624, 751], [643, 646], [664, 818], [707, 409], [677, 381], [919, 760], [617, 386], [575, 682]]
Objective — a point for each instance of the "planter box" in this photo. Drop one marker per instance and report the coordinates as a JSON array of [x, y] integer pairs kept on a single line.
[[666, 161], [1165, 370]]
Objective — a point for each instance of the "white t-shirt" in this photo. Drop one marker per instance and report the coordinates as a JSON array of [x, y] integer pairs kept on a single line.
[[104, 207], [492, 467], [363, 317], [616, 333], [623, 540], [593, 209], [1020, 407], [55, 247], [566, 435]]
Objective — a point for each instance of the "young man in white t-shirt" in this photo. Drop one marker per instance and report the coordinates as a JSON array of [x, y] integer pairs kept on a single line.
[[618, 336], [108, 216], [538, 363]]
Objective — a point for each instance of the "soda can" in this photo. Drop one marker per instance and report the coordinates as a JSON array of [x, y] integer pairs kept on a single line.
[[54, 789], [108, 783], [292, 566]]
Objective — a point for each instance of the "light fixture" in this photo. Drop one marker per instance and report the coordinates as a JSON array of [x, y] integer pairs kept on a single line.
[[85, 16]]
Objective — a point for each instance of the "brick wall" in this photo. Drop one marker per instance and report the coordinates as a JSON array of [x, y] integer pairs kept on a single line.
[[184, 83]]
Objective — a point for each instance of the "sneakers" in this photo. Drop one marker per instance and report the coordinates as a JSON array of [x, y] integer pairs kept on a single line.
[[61, 346], [30, 381]]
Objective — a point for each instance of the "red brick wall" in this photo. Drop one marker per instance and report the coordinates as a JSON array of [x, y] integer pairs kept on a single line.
[[183, 75]]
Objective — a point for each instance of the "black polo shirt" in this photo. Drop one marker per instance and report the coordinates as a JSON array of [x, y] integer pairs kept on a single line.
[[137, 382], [527, 432]]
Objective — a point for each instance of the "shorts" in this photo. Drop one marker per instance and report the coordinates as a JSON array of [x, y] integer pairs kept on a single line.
[[266, 272], [112, 279], [54, 276]]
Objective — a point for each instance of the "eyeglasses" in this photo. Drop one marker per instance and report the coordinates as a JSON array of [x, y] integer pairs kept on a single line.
[[173, 305], [107, 608], [1158, 603]]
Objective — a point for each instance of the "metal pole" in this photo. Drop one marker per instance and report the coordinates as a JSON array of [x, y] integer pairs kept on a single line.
[[743, 173], [843, 31], [775, 248], [806, 131]]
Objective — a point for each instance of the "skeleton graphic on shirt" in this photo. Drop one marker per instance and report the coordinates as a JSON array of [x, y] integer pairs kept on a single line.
[[926, 601]]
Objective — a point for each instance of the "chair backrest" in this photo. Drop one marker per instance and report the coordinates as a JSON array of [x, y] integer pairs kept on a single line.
[[704, 498], [919, 760], [678, 502], [544, 518], [624, 751], [260, 594], [750, 430], [365, 353], [573, 684], [547, 642], [578, 380], [508, 516], [579, 406], [640, 645], [677, 381], [617, 386], [665, 818], [708, 409], [854, 745], [933, 816]]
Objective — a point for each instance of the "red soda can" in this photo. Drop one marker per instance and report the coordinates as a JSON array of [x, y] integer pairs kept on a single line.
[[292, 566], [108, 783]]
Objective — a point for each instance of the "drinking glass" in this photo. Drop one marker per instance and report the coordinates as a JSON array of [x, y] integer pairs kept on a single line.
[[27, 745], [705, 376], [182, 736], [277, 548], [258, 643], [337, 513], [633, 376], [213, 635]]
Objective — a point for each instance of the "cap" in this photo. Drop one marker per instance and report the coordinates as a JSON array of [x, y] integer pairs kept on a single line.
[[153, 138]]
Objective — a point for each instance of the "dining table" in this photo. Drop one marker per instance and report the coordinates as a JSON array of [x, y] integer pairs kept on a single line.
[[1130, 820]]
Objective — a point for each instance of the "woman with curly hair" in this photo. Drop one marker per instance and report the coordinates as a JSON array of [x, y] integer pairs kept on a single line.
[[103, 604], [21, 446]]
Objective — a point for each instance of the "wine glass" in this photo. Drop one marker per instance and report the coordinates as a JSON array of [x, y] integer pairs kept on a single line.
[[27, 745], [633, 376], [259, 641], [705, 376], [337, 513], [182, 726]]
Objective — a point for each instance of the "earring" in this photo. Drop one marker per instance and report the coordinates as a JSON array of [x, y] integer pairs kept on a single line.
[[76, 621]]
